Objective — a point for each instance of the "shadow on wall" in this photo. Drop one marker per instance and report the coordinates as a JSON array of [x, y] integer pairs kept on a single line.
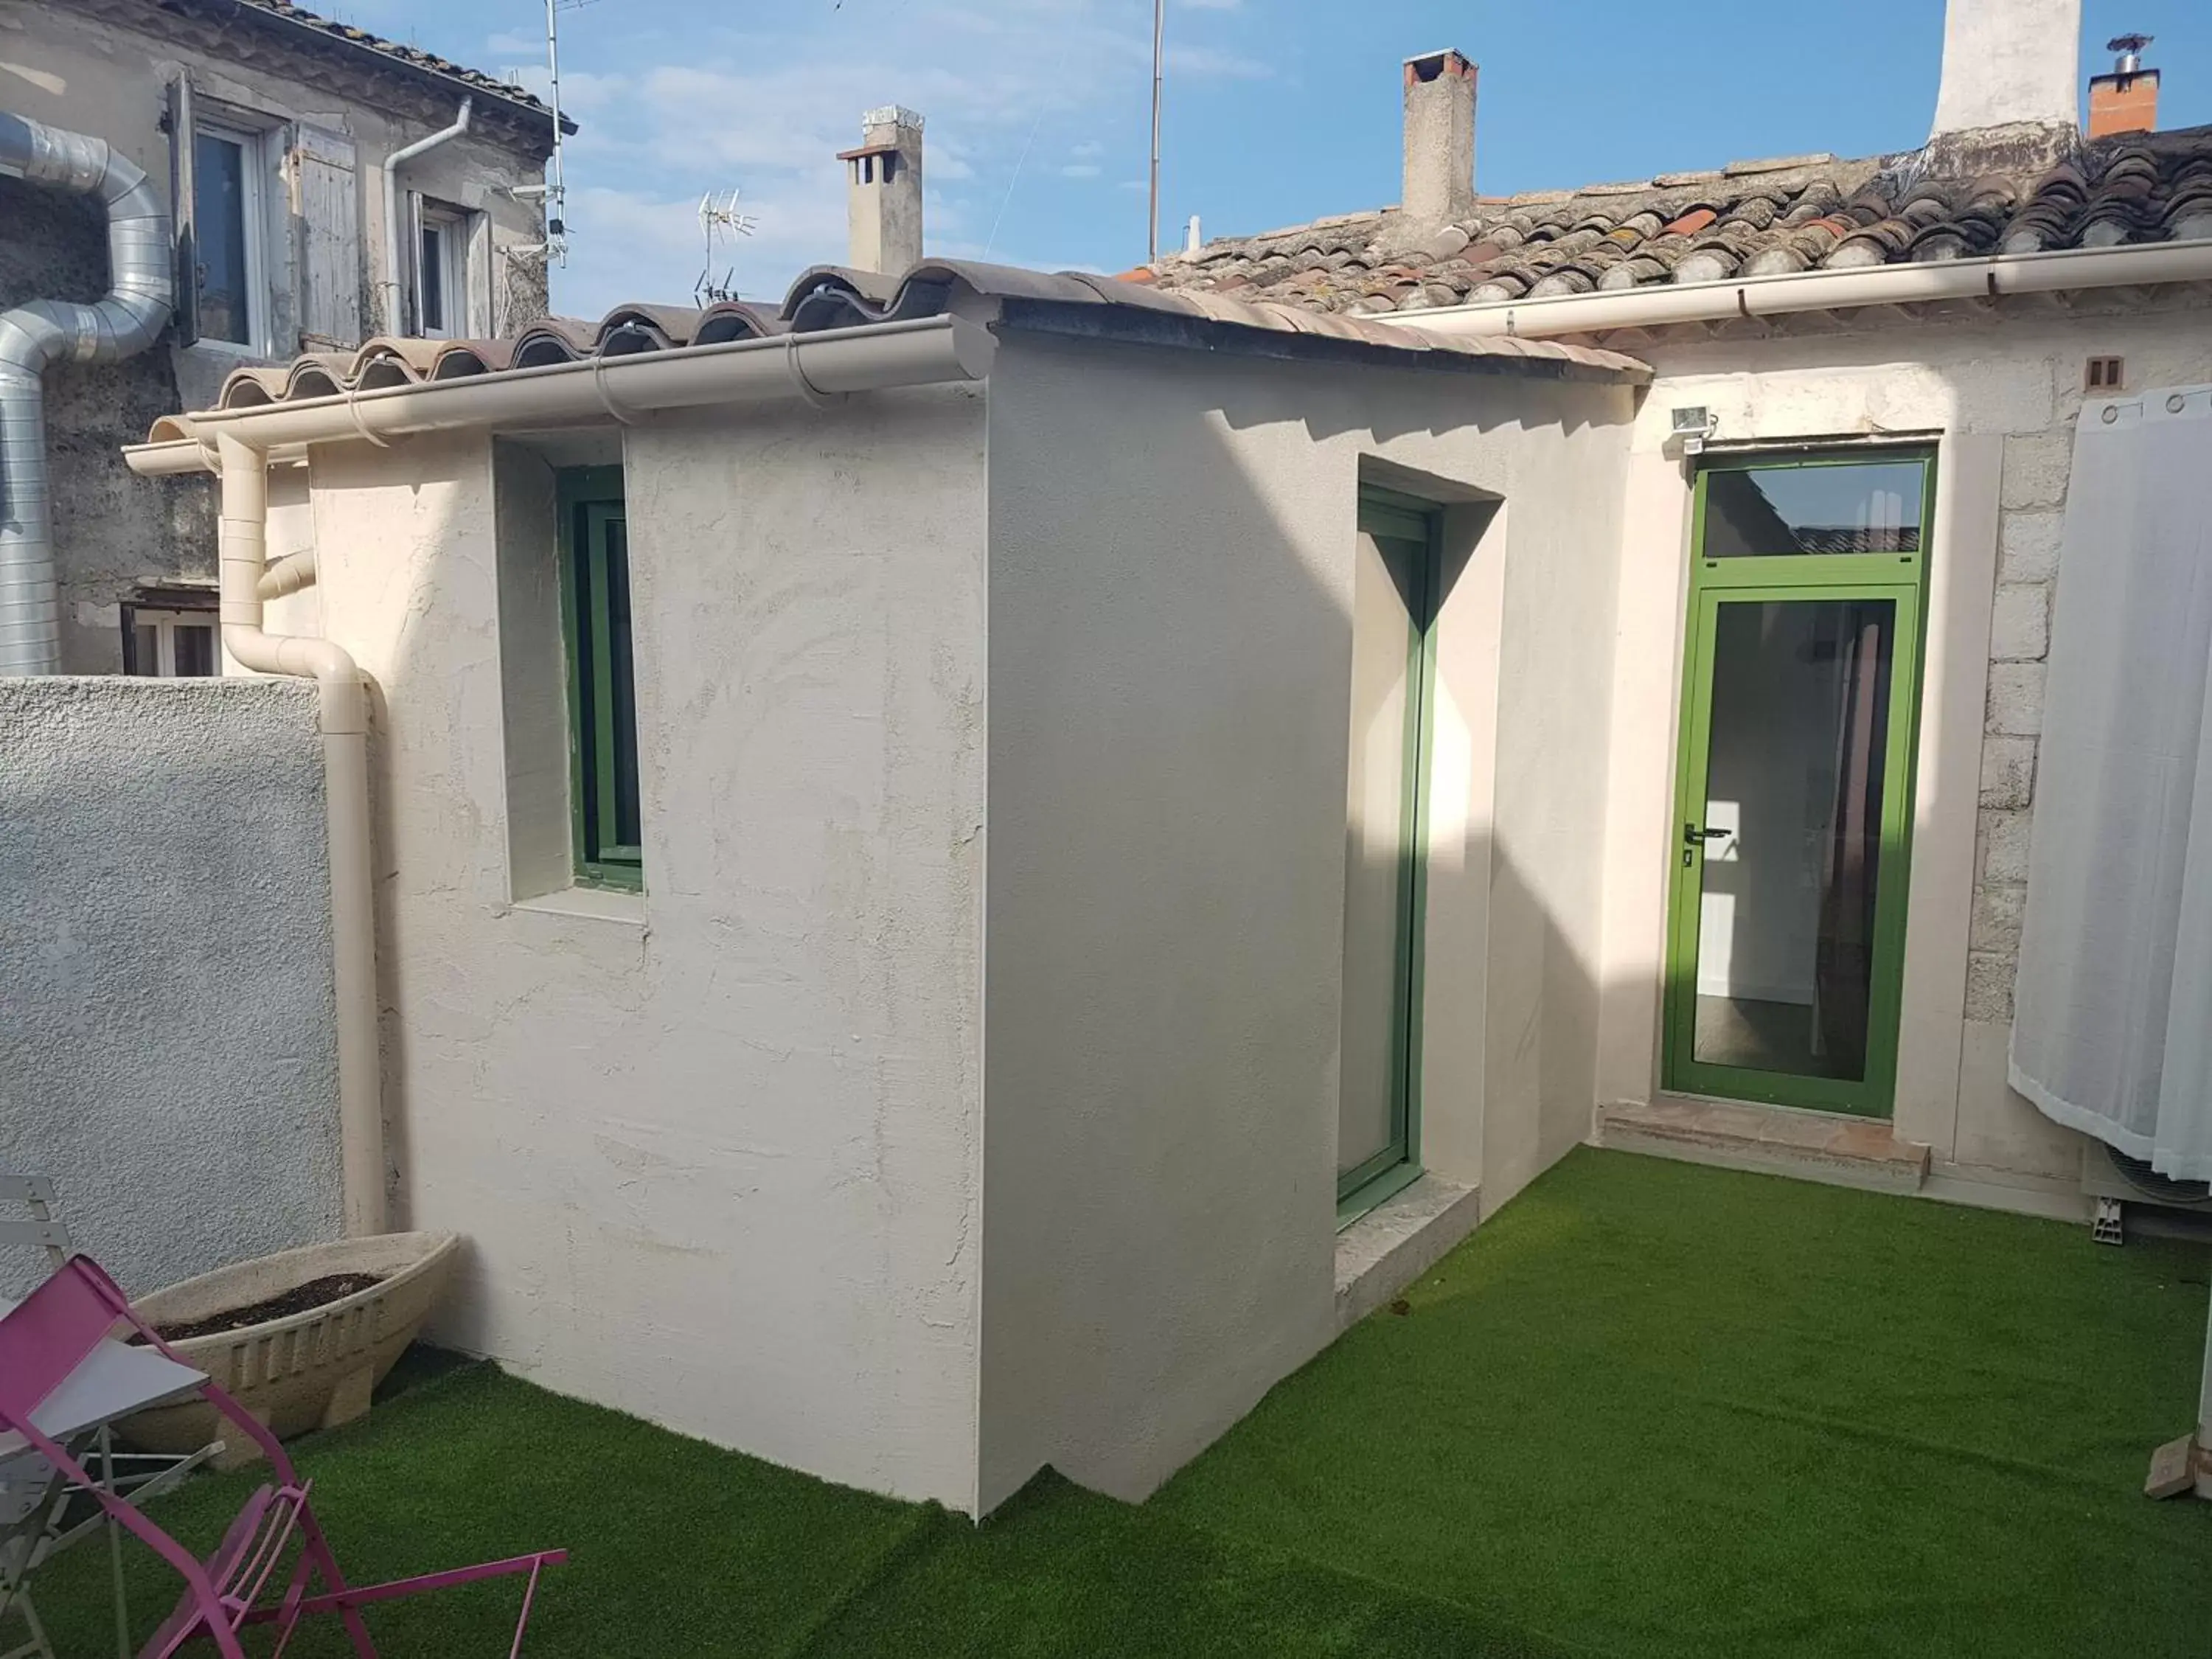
[[1171, 662], [168, 1055]]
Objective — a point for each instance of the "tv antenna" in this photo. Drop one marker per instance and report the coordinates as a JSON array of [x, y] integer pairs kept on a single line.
[[719, 217], [554, 192]]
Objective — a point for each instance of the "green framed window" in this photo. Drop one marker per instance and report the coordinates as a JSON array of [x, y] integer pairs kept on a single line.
[[1396, 589], [602, 678], [1795, 785]]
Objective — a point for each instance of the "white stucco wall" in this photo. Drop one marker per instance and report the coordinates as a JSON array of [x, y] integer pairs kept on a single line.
[[1171, 543], [2001, 397], [716, 1147], [168, 1036]]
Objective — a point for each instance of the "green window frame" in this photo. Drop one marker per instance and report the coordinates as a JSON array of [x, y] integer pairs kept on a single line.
[[1388, 514], [1897, 575], [606, 808]]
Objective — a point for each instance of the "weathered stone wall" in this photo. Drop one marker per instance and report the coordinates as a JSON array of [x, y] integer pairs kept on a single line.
[[2033, 519], [104, 67], [113, 531], [168, 1048]]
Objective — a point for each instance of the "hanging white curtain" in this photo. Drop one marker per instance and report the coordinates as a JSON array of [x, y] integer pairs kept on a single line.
[[2112, 1023]]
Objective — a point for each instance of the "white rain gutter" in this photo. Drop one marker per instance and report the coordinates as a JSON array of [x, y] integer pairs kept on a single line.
[[242, 551], [1659, 304], [392, 163], [813, 369], [141, 290]]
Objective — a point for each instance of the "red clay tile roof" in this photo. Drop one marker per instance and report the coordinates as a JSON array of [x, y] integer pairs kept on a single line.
[[829, 297], [1752, 219]]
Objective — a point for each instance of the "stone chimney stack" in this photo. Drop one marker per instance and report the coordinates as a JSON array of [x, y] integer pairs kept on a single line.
[[2126, 100], [2012, 80], [883, 191], [1439, 137]]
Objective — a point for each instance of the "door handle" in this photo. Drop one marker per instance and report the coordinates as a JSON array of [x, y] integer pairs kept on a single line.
[[1692, 837]]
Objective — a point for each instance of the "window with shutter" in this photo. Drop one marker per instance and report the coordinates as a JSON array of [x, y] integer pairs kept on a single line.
[[326, 187]]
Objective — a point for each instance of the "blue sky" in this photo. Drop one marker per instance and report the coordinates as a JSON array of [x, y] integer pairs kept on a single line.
[[1277, 112]]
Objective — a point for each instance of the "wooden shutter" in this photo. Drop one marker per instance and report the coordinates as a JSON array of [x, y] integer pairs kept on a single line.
[[326, 199], [181, 205]]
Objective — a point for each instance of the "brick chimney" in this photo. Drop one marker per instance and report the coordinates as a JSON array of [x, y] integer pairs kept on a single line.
[[883, 193], [2011, 90], [2126, 100], [1439, 137]]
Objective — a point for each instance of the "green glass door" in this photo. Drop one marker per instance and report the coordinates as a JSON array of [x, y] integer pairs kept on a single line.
[[1393, 600], [1793, 813]]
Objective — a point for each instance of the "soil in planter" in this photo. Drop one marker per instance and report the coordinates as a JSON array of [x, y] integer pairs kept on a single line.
[[300, 1299]]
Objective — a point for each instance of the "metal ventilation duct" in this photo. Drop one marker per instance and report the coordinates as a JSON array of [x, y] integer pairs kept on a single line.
[[141, 292]]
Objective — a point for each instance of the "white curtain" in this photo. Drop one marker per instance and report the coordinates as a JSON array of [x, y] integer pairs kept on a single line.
[[2112, 1023]]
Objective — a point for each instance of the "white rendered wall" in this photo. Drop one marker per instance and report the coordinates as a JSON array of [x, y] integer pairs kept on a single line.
[[715, 1149], [2009, 61], [1171, 556], [2001, 397]]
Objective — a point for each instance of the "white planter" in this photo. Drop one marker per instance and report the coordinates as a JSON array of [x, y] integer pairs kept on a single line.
[[306, 1370]]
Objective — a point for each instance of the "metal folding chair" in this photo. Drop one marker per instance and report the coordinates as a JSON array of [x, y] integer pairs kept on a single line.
[[42, 1513], [245, 1581]]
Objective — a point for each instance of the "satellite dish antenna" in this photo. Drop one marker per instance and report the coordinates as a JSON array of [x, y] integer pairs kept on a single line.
[[719, 218]]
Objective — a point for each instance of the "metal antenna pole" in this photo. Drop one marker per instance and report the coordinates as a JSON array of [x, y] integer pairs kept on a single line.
[[1159, 38], [557, 229]]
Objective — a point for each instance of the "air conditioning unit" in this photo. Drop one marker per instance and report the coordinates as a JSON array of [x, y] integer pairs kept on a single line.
[[2115, 1181]]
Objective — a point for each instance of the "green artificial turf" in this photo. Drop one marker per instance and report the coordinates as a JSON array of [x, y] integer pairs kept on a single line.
[[1650, 1409], [1669, 1410]]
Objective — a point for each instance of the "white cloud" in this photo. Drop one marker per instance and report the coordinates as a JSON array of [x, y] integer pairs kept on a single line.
[[763, 106], [1208, 63]]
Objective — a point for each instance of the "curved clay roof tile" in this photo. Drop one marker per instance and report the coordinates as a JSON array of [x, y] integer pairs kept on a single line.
[[1712, 263], [1782, 259]]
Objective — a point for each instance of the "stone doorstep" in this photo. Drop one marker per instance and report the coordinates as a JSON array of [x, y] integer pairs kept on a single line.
[[1849, 1152], [1398, 1241]]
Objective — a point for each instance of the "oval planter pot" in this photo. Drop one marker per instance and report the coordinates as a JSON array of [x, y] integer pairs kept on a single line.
[[306, 1370]]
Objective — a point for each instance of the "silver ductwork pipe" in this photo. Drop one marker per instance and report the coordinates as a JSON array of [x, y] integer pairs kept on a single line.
[[142, 291]]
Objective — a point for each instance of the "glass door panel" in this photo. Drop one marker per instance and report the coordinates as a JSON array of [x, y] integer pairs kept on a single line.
[[1390, 606], [1788, 927]]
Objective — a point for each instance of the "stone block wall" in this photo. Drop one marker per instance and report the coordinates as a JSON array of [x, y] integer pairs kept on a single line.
[[2033, 517]]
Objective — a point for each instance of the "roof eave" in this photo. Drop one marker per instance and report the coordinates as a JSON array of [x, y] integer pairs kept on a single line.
[[523, 110], [1663, 305], [1132, 324]]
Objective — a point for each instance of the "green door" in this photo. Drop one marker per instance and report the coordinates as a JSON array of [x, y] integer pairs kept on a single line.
[[1393, 668], [1794, 807]]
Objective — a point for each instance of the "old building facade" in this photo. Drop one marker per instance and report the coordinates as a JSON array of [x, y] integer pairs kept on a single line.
[[268, 132]]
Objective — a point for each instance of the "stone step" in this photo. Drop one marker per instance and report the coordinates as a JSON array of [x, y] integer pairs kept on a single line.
[[1844, 1152], [1398, 1241]]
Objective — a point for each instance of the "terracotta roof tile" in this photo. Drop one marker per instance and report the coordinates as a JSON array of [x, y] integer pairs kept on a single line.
[[829, 297], [1756, 218]]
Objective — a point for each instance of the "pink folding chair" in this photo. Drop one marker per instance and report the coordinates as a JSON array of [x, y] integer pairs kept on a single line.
[[51, 1333]]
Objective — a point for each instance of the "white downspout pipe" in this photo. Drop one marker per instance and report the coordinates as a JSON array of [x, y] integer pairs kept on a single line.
[[243, 542], [141, 289], [1659, 304], [392, 163]]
